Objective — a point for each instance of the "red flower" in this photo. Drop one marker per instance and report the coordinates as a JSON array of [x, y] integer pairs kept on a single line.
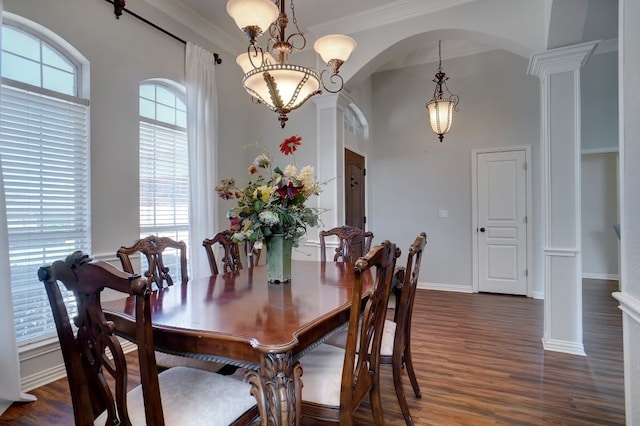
[[288, 191], [290, 145]]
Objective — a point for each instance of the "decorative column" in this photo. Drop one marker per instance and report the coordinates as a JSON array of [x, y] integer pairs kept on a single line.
[[330, 167], [629, 294], [559, 73]]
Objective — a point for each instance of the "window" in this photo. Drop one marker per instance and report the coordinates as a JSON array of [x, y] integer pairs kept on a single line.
[[354, 122], [44, 144], [164, 164]]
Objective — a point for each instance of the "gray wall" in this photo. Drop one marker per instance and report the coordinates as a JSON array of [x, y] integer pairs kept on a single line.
[[599, 102], [599, 213], [413, 175]]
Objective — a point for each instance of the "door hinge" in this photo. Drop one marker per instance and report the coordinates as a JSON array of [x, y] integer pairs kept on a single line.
[[364, 219], [364, 172], [526, 272], [526, 219], [524, 165]]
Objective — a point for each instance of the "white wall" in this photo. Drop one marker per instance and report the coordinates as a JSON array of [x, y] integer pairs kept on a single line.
[[413, 175], [599, 213]]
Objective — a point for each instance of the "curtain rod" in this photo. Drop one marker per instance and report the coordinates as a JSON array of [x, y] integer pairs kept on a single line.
[[119, 7]]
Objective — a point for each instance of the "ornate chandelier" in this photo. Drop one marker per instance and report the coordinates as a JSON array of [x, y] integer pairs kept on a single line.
[[268, 76], [441, 107]]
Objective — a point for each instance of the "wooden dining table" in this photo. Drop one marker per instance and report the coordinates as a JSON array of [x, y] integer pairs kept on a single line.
[[240, 319]]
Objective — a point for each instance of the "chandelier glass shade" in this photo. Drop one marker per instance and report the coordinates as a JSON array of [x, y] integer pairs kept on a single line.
[[442, 105], [269, 77]]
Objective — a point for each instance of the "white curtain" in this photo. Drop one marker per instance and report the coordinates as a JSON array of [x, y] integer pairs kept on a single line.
[[9, 364], [202, 124]]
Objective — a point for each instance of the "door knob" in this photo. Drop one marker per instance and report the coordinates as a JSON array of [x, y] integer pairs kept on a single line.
[[481, 229]]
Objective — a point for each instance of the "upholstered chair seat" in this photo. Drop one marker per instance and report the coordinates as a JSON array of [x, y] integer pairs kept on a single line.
[[193, 397]]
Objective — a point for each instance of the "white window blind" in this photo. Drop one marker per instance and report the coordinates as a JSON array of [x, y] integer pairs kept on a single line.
[[44, 146], [164, 187]]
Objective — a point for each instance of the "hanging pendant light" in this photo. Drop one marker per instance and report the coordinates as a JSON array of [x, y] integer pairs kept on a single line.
[[441, 107], [269, 77]]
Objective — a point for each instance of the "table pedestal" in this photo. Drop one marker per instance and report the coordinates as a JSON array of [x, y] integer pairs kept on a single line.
[[278, 389]]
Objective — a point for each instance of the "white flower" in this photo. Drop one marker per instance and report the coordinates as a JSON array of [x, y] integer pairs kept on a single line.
[[269, 217], [290, 171], [238, 236]]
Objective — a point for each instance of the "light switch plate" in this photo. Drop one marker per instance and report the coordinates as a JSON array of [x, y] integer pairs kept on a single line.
[[443, 213]]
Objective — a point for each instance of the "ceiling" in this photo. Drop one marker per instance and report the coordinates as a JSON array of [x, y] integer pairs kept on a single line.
[[569, 22]]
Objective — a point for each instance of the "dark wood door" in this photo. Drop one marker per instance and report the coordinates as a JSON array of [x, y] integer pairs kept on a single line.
[[354, 173]]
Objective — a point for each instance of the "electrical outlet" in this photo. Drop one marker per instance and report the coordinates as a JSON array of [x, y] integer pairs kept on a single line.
[[443, 213]]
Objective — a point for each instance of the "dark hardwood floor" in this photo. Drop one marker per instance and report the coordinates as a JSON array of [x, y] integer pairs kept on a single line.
[[479, 361]]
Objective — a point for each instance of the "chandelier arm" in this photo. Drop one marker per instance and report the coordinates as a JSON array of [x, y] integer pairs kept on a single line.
[[336, 82], [297, 36], [257, 52]]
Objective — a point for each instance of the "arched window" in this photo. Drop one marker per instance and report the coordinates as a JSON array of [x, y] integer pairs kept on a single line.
[[355, 123], [164, 162], [44, 144]]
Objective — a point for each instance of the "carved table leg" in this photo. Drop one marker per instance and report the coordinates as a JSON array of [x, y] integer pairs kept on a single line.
[[278, 389]]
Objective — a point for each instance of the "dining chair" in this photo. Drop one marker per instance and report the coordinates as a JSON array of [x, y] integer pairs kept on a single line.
[[252, 251], [335, 380], [352, 243], [97, 368], [154, 248], [230, 260], [396, 336]]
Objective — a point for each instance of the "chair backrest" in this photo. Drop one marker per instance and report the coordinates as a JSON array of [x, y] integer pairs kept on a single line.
[[407, 294], [352, 243], [231, 259], [84, 353], [365, 331], [153, 248], [368, 238]]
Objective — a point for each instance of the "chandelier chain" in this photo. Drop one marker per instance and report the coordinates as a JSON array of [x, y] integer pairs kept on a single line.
[[293, 17]]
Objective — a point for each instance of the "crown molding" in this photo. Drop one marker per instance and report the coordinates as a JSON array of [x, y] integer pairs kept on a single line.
[[606, 46], [191, 19], [383, 15], [561, 59]]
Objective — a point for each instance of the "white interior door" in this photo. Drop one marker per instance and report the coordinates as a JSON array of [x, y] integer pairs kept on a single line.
[[502, 222]]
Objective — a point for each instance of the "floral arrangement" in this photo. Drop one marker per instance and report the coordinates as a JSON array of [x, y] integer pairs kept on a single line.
[[273, 201]]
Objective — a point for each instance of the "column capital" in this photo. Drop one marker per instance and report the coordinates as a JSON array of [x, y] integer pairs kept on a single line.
[[326, 100], [569, 58]]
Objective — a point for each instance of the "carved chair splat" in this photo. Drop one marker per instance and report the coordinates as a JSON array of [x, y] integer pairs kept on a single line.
[[153, 247], [352, 243]]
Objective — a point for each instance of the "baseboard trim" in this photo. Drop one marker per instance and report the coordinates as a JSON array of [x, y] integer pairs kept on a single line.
[[59, 371], [537, 295], [563, 346], [43, 377], [445, 287], [596, 276]]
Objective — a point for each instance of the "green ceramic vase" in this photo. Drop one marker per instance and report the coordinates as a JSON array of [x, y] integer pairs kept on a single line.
[[278, 259]]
